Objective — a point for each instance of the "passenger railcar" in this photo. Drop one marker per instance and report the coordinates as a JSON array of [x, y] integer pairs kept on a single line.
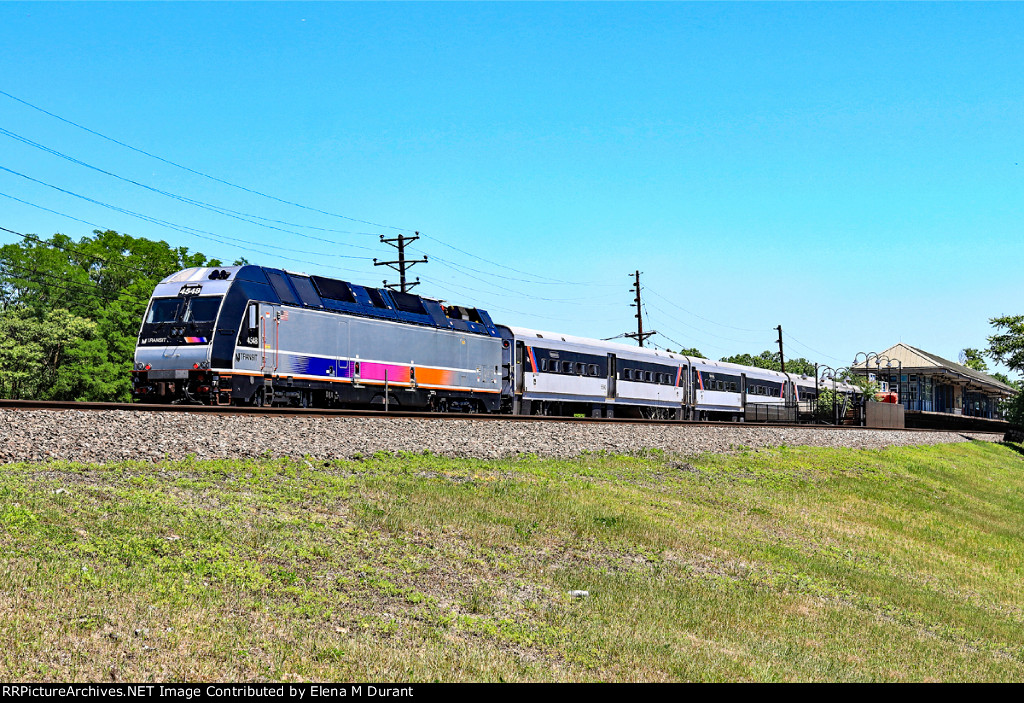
[[559, 374]]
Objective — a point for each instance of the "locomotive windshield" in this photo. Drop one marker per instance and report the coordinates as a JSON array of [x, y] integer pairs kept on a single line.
[[184, 309], [202, 309]]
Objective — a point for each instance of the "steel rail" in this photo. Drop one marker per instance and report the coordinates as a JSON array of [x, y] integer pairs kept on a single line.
[[65, 405]]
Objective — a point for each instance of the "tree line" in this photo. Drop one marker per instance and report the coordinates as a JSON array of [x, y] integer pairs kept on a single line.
[[70, 312]]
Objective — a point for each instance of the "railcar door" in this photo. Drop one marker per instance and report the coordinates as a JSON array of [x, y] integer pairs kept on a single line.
[[270, 338], [611, 390]]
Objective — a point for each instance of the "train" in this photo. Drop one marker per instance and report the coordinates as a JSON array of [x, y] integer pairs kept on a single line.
[[259, 336]]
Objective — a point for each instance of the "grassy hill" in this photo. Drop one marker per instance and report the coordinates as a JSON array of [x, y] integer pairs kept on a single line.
[[771, 565]]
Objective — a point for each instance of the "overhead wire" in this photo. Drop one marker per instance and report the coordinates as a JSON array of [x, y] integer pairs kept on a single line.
[[811, 349], [549, 280], [221, 239], [194, 171], [227, 212], [690, 312], [94, 287]]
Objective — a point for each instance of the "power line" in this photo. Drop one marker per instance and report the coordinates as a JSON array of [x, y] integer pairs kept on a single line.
[[815, 351], [227, 212], [193, 171], [566, 301], [545, 279], [690, 312], [71, 250], [77, 284], [703, 332], [219, 238]]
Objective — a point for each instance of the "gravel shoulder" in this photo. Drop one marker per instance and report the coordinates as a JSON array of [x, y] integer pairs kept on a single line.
[[108, 436]]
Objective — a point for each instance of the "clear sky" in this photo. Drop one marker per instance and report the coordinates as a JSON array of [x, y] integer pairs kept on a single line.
[[852, 172]]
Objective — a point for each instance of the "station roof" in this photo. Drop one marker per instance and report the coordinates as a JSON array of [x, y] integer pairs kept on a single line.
[[918, 361]]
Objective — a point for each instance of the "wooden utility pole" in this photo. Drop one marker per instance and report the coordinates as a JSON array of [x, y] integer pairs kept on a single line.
[[782, 359], [639, 335], [401, 265]]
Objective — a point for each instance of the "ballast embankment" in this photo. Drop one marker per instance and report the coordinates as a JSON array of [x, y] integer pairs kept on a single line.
[[110, 436]]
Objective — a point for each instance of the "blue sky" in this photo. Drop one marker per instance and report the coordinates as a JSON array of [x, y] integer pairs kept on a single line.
[[850, 171]]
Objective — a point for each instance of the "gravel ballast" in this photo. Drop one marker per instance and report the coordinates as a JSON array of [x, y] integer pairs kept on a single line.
[[117, 435]]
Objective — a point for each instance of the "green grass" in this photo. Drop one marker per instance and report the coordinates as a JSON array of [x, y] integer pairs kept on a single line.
[[772, 565]]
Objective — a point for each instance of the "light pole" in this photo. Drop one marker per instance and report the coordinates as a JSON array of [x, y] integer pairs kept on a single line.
[[831, 373]]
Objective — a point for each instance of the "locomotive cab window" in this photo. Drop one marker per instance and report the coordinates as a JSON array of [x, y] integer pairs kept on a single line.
[[164, 310], [249, 334], [202, 309]]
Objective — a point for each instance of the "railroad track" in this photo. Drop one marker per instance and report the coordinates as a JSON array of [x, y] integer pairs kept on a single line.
[[327, 412]]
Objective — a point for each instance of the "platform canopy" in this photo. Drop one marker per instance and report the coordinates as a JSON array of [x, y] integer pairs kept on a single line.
[[918, 361]]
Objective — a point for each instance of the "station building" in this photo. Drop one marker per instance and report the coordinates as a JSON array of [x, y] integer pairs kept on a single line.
[[925, 382]]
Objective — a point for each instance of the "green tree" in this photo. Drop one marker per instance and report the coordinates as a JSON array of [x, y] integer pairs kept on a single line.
[[1006, 346], [690, 351], [35, 352], [770, 360], [104, 280], [974, 359]]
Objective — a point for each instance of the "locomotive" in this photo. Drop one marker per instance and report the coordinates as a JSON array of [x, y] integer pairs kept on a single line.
[[252, 335]]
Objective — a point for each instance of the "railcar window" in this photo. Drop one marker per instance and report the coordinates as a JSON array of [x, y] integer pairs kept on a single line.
[[648, 376], [202, 309], [581, 369], [593, 370], [566, 367], [543, 364], [732, 387], [164, 310], [627, 374]]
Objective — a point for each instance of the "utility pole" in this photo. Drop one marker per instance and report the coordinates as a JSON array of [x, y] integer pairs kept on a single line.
[[639, 335], [782, 359], [401, 265]]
